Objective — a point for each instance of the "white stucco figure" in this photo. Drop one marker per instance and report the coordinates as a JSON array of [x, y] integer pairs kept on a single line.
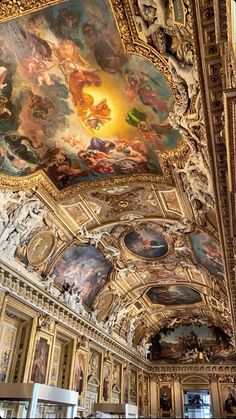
[[95, 237], [130, 334], [186, 72], [155, 16], [48, 282], [179, 226], [144, 348], [122, 273]]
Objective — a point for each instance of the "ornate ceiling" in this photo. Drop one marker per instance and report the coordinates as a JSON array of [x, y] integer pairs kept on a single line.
[[112, 159]]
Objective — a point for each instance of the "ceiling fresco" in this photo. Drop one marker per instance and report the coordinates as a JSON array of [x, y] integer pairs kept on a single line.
[[108, 197], [187, 343], [208, 253], [146, 242], [173, 295], [74, 104], [84, 268]]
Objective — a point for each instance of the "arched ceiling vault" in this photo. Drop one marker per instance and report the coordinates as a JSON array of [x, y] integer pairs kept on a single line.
[[109, 193]]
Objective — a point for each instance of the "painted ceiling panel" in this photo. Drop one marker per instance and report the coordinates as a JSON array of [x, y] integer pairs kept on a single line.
[[74, 103]]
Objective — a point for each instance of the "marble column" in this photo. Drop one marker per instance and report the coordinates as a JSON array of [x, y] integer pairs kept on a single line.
[[215, 396], [153, 391], [178, 398]]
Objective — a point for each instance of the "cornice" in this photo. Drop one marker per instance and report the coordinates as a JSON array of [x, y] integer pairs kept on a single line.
[[194, 368], [230, 138], [209, 17]]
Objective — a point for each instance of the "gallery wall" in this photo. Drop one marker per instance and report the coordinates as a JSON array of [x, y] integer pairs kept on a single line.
[[35, 348]]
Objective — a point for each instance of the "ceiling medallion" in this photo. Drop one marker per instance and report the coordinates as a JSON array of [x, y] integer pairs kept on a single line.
[[40, 248]]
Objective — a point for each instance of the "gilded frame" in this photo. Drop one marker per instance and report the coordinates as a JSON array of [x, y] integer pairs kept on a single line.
[[49, 339]]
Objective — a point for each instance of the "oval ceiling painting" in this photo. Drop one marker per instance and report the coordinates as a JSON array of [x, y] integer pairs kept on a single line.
[[208, 253], [74, 103], [146, 242], [85, 268], [173, 295]]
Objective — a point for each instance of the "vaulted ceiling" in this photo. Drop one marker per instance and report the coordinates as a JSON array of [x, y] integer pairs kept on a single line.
[[112, 159]]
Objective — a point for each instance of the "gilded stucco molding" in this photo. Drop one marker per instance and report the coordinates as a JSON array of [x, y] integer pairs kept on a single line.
[[212, 87], [40, 179], [10, 9], [200, 368]]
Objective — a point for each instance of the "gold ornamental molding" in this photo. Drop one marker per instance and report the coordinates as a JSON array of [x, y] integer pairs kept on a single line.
[[197, 368], [212, 39], [40, 178], [35, 180], [10, 9], [230, 137]]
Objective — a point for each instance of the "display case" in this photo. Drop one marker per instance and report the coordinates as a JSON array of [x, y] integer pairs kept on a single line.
[[117, 410], [30, 400]]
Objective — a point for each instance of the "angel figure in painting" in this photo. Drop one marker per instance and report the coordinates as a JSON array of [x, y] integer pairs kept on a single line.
[[39, 368], [3, 73], [37, 68], [78, 74], [5, 113], [98, 115], [141, 84]]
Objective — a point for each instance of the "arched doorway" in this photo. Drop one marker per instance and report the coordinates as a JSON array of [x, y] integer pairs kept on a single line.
[[197, 400]]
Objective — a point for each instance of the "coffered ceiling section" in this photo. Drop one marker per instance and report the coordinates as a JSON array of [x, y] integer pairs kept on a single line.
[[107, 193]]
